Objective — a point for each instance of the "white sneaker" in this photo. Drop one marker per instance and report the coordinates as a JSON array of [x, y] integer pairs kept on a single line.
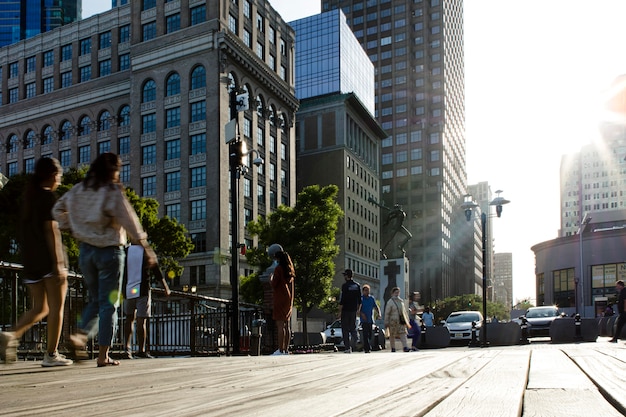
[[55, 359], [8, 347]]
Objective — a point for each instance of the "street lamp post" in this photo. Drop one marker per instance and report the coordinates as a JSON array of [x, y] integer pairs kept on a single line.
[[468, 206], [581, 281], [237, 152]]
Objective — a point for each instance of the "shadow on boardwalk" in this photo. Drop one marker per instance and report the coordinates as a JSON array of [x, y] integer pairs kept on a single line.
[[533, 380]]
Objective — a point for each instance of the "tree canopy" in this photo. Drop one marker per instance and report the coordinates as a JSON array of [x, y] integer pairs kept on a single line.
[[307, 232]]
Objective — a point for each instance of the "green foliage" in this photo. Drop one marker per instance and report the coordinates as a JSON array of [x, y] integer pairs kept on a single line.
[[251, 289], [524, 304], [470, 302], [307, 232]]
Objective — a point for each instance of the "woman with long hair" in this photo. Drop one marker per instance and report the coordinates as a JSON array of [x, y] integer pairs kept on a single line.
[[43, 257], [100, 216], [283, 285]]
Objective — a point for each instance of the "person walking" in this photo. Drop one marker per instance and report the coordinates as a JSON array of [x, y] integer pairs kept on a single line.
[[349, 305], [137, 303], [396, 320], [101, 218], [428, 318], [368, 306], [283, 286], [621, 311], [415, 331], [43, 257]]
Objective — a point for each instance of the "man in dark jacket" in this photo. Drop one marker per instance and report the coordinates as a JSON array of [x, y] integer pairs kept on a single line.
[[349, 305]]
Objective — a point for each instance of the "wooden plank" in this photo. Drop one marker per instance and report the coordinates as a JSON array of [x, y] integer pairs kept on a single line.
[[497, 389], [604, 365], [557, 387]]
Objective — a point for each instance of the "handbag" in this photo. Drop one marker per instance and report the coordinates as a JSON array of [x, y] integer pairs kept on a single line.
[[400, 314]]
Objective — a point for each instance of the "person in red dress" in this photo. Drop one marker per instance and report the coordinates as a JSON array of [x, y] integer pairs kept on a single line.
[[283, 286]]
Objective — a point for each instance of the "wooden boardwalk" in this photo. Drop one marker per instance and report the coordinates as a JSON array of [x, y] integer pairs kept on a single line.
[[539, 379]]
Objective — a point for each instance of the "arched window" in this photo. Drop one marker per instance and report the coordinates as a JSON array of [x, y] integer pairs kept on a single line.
[[260, 106], [173, 85], [149, 91], [198, 77], [84, 126], [124, 117], [29, 139], [104, 123], [12, 144], [66, 130], [48, 135]]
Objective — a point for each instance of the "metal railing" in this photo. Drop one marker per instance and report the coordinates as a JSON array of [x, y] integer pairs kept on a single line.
[[181, 324]]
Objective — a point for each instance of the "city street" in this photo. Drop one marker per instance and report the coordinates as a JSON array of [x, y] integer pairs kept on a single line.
[[540, 379]]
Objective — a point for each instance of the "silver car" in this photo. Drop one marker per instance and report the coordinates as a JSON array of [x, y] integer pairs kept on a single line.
[[459, 324]]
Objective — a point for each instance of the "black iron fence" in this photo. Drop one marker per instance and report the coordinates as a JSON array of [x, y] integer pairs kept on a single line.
[[181, 324]]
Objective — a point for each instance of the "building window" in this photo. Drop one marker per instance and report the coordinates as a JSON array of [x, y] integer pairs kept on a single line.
[[125, 174], [104, 147], [31, 64], [149, 91], [48, 135], [172, 149], [31, 90], [14, 70], [198, 77], [260, 50], [247, 185], [48, 59], [172, 23], [124, 34], [148, 155], [105, 67], [124, 62], [198, 144], [173, 211], [84, 126], [85, 46], [12, 144], [148, 4], [123, 145], [148, 31], [66, 79], [65, 158], [198, 210], [66, 52], [148, 123], [124, 116], [199, 242], [247, 38], [29, 140], [148, 186], [48, 85], [172, 117], [198, 111], [14, 95], [29, 165], [260, 24], [198, 177], [66, 131], [84, 154], [104, 121], [232, 23], [172, 181], [173, 85], [105, 40], [198, 14], [85, 73]]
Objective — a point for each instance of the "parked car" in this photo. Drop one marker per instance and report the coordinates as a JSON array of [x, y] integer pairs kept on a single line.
[[335, 335], [459, 324], [539, 319]]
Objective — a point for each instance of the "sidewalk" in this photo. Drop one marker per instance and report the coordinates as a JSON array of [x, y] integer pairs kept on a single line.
[[539, 379]]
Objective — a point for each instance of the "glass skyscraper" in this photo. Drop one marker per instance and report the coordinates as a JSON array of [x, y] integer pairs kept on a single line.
[[26, 18], [417, 49], [329, 59]]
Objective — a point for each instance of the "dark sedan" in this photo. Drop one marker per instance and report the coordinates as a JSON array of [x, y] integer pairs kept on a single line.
[[540, 318]]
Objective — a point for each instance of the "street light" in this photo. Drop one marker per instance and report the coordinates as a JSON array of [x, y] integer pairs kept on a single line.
[[237, 153], [468, 206], [585, 221]]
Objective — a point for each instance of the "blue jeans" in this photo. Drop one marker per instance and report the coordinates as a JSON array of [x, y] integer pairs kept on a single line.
[[102, 270], [348, 329]]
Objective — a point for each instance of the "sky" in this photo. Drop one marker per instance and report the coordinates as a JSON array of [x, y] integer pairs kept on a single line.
[[536, 73]]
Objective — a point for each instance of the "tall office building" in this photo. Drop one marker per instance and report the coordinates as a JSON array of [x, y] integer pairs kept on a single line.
[[150, 81], [593, 179], [24, 19], [482, 195], [502, 281], [417, 50], [337, 137]]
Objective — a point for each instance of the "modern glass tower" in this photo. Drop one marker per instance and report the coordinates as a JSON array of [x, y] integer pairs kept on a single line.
[[26, 18], [417, 49]]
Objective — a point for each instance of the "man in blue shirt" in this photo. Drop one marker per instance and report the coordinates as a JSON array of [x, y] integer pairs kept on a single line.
[[349, 304], [368, 305]]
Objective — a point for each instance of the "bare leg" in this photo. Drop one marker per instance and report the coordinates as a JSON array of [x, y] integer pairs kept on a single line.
[[141, 334], [38, 310], [128, 331], [56, 301]]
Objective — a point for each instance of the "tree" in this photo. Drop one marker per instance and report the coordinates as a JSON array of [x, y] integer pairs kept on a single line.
[[307, 232], [470, 302]]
